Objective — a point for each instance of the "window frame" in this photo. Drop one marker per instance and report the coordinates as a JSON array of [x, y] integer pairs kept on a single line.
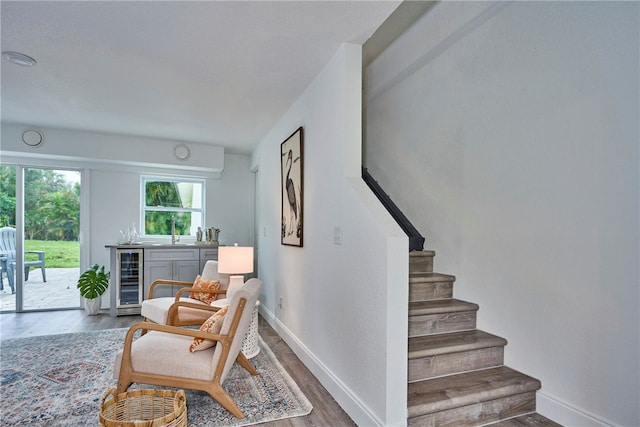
[[144, 208]]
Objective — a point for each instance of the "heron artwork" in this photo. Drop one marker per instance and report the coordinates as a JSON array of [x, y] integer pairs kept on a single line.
[[291, 160]]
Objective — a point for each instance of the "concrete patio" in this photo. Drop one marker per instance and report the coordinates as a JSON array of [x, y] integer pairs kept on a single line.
[[59, 291]]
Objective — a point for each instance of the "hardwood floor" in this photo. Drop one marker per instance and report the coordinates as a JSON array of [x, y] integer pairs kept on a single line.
[[326, 412]]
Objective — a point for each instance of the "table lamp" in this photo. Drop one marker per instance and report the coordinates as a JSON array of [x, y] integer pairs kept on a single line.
[[235, 260]]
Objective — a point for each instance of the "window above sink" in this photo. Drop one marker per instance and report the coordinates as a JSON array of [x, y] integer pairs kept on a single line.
[[162, 198]]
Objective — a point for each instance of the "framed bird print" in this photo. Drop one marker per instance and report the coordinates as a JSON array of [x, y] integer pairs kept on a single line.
[[291, 174]]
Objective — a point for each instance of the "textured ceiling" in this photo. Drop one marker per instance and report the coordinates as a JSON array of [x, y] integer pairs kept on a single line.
[[206, 71]]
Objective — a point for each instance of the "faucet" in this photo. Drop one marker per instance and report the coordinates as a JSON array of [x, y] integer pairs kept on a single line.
[[173, 230]]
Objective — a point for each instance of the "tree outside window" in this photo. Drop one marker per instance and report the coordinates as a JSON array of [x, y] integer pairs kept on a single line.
[[164, 198], [51, 205]]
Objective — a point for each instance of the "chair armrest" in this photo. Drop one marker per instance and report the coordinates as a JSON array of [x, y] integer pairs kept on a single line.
[[148, 326], [166, 282], [39, 253], [195, 333]]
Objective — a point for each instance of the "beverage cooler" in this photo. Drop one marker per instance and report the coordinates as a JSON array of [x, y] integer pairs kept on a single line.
[[126, 281]]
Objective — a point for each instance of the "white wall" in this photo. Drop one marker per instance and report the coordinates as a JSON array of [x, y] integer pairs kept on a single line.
[[508, 133], [115, 203], [344, 306], [98, 148], [114, 184]]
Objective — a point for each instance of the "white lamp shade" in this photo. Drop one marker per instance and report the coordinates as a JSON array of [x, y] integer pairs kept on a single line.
[[235, 259]]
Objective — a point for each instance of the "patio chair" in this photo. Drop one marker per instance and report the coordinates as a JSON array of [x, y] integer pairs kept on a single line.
[[8, 251], [165, 357]]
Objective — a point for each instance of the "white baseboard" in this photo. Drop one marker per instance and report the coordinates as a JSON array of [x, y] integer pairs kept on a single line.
[[546, 405], [567, 415], [358, 412]]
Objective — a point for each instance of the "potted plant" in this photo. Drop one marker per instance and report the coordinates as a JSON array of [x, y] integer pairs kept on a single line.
[[92, 284]]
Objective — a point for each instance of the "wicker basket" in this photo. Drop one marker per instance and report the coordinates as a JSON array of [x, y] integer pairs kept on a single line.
[[144, 408]]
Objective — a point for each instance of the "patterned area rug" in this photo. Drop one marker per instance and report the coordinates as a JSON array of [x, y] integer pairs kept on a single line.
[[60, 380]]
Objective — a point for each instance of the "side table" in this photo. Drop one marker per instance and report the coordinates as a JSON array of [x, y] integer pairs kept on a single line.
[[250, 344]]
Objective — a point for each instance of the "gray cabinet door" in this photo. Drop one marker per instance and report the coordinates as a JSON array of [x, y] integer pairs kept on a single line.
[[170, 264], [154, 270], [186, 270], [207, 254]]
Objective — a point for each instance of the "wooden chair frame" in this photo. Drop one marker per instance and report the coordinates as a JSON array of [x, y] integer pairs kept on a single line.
[[211, 386]]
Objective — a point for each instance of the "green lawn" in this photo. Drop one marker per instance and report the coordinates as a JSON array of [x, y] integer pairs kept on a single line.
[[58, 254]]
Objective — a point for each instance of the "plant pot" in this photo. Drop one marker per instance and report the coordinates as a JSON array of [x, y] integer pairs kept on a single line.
[[92, 306]]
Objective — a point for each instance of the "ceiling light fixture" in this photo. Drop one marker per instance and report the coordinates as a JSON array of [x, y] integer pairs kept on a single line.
[[19, 58]]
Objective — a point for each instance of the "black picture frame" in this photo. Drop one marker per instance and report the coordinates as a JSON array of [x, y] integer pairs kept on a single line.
[[291, 188]]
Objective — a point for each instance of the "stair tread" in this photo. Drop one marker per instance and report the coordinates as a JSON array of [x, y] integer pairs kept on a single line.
[[528, 420], [423, 253], [449, 305], [452, 342], [453, 391], [428, 277]]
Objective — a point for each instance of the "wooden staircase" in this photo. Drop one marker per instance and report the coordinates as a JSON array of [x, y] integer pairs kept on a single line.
[[456, 372]]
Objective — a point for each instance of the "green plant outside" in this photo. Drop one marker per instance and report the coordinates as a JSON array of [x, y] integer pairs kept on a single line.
[[159, 222], [51, 204], [58, 253]]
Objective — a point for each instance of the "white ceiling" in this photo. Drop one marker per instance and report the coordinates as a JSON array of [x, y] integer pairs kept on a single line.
[[218, 72]]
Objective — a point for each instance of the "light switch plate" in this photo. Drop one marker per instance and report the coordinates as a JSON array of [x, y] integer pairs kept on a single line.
[[337, 236]]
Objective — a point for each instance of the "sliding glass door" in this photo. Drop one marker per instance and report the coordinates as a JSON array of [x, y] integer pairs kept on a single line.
[[7, 222], [46, 239]]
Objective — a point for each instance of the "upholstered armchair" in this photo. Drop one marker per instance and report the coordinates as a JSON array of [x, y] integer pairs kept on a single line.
[[183, 309], [163, 356]]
